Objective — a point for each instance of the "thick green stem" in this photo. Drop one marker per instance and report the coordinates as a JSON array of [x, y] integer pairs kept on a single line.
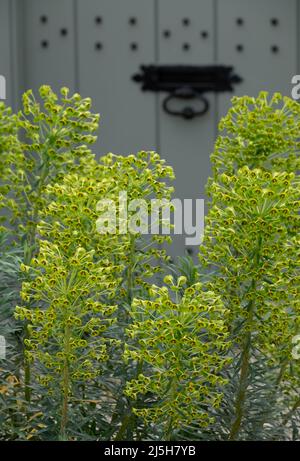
[[243, 383], [169, 430], [27, 373], [281, 372], [130, 270], [127, 420], [291, 412], [125, 424], [65, 385], [169, 426], [245, 360], [130, 416], [30, 250]]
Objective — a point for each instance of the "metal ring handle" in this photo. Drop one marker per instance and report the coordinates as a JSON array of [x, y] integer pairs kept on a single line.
[[188, 112]]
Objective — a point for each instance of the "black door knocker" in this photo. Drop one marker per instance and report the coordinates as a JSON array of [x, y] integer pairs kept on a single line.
[[186, 83]]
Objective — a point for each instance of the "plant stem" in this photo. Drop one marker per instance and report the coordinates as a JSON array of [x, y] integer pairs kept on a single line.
[[130, 278], [245, 359], [168, 433], [243, 382], [30, 250], [65, 385], [27, 374], [290, 413], [125, 423], [130, 416], [281, 372], [169, 427]]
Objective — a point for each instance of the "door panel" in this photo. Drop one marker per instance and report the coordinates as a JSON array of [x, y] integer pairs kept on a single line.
[[49, 44], [258, 37], [114, 39], [186, 144]]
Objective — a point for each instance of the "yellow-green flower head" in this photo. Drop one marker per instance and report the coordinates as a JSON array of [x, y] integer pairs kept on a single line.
[[184, 343]]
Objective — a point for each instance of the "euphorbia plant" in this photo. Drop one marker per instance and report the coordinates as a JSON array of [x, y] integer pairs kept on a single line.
[[56, 133], [68, 221], [260, 132], [47, 138], [204, 360], [66, 338], [184, 342], [251, 241]]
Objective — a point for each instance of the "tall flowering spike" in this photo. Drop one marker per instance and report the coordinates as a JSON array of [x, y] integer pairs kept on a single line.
[[47, 139], [184, 343], [11, 156], [259, 132], [252, 242], [72, 213], [252, 238], [68, 332], [80, 272], [71, 290], [54, 133]]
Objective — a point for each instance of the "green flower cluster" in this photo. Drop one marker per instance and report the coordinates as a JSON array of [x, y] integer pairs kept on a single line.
[[10, 150], [70, 217], [78, 271], [259, 132], [252, 238], [184, 342], [48, 138], [88, 303], [68, 323]]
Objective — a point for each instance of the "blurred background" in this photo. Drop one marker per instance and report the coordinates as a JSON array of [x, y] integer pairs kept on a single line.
[[95, 47]]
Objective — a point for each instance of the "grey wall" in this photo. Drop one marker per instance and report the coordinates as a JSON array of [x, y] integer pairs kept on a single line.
[[9, 56], [93, 47]]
